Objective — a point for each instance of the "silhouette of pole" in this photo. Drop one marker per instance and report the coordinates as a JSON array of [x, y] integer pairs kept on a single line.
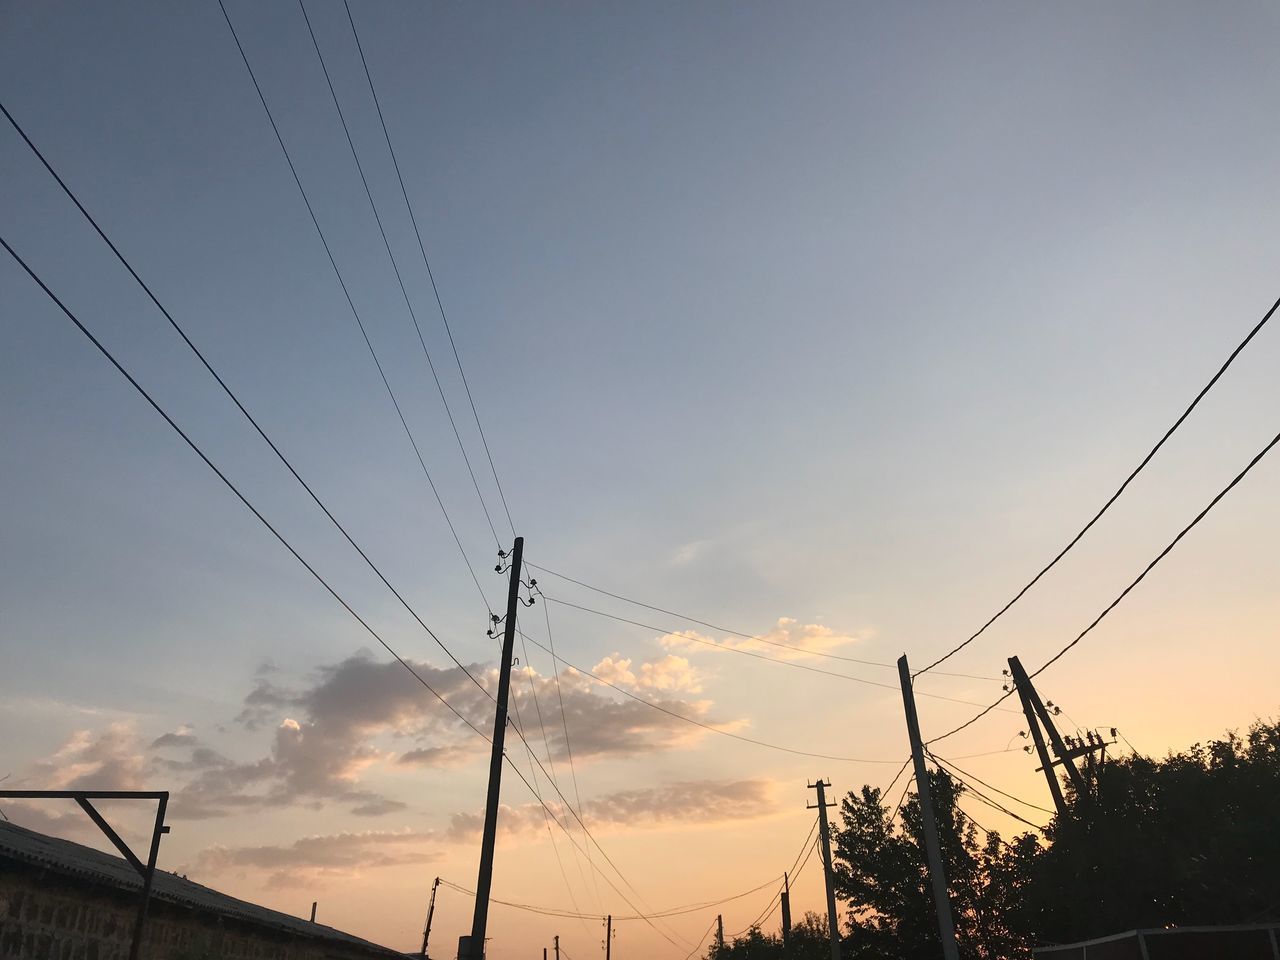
[[833, 919], [786, 912], [431, 909], [608, 937], [557, 938], [937, 872], [472, 947], [719, 933], [1029, 694], [1037, 737]]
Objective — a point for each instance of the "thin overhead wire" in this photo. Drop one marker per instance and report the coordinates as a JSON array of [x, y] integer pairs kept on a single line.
[[746, 636], [430, 273], [564, 724], [688, 635], [351, 303], [1114, 497], [395, 266], [288, 464], [702, 939], [1127, 590], [698, 723], [319, 578], [969, 776], [995, 804], [230, 485]]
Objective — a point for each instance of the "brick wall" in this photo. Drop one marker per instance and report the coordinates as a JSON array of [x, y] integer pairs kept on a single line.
[[44, 916]]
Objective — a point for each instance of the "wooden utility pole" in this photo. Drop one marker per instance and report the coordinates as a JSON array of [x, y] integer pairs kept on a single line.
[[937, 872], [472, 947], [557, 946], [719, 933], [786, 912], [431, 909], [608, 937], [833, 919]]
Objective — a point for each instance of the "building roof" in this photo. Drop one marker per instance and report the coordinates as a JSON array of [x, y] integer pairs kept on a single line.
[[18, 844]]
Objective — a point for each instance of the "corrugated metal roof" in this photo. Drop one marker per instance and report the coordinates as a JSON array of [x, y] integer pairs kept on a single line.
[[76, 860]]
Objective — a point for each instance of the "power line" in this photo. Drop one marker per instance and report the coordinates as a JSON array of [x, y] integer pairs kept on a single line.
[[427, 263], [231, 486], [698, 723], [1126, 591], [310, 569], [969, 776], [905, 787], [351, 303], [1114, 497], [994, 804], [739, 633], [231, 393], [395, 266], [564, 723], [687, 635], [702, 939]]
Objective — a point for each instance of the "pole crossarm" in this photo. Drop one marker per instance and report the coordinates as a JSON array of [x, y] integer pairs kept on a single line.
[[146, 871]]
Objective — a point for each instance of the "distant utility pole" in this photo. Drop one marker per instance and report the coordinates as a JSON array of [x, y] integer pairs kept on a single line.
[[937, 872], [314, 904], [833, 921], [786, 912], [472, 947], [719, 933], [431, 909], [608, 937], [557, 946]]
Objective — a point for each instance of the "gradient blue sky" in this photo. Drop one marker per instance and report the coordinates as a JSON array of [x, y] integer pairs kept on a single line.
[[845, 313]]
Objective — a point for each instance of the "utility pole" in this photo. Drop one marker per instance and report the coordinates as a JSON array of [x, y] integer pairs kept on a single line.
[[431, 909], [314, 904], [472, 947], [937, 872], [786, 912], [608, 937], [833, 921], [557, 946], [719, 934], [1037, 737], [1028, 694]]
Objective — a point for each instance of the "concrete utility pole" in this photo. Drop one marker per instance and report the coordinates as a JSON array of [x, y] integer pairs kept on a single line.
[[1027, 693], [472, 947], [833, 919], [937, 872], [1021, 683], [786, 912], [431, 909]]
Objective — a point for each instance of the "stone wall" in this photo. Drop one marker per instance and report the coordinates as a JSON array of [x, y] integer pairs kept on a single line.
[[46, 916]]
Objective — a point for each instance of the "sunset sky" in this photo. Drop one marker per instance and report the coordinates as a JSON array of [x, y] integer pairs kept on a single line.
[[829, 323]]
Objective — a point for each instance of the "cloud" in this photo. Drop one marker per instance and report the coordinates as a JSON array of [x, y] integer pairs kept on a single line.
[[788, 640], [671, 673], [313, 859], [702, 802], [111, 760]]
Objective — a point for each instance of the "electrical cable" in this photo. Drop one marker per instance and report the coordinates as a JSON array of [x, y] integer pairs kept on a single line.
[[564, 723], [395, 266], [310, 569], [1124, 593], [702, 939], [745, 636], [231, 393], [969, 776], [1115, 496], [687, 635], [427, 263], [698, 723], [351, 303]]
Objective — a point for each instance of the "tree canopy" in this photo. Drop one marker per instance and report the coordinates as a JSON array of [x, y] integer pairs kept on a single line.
[[1190, 839]]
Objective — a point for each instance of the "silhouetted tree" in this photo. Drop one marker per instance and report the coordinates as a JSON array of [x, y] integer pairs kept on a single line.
[[1191, 839]]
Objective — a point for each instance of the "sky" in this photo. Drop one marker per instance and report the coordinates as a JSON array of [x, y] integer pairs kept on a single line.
[[830, 323]]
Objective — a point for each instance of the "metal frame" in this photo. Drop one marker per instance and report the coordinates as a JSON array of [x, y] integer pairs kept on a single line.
[[148, 870]]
